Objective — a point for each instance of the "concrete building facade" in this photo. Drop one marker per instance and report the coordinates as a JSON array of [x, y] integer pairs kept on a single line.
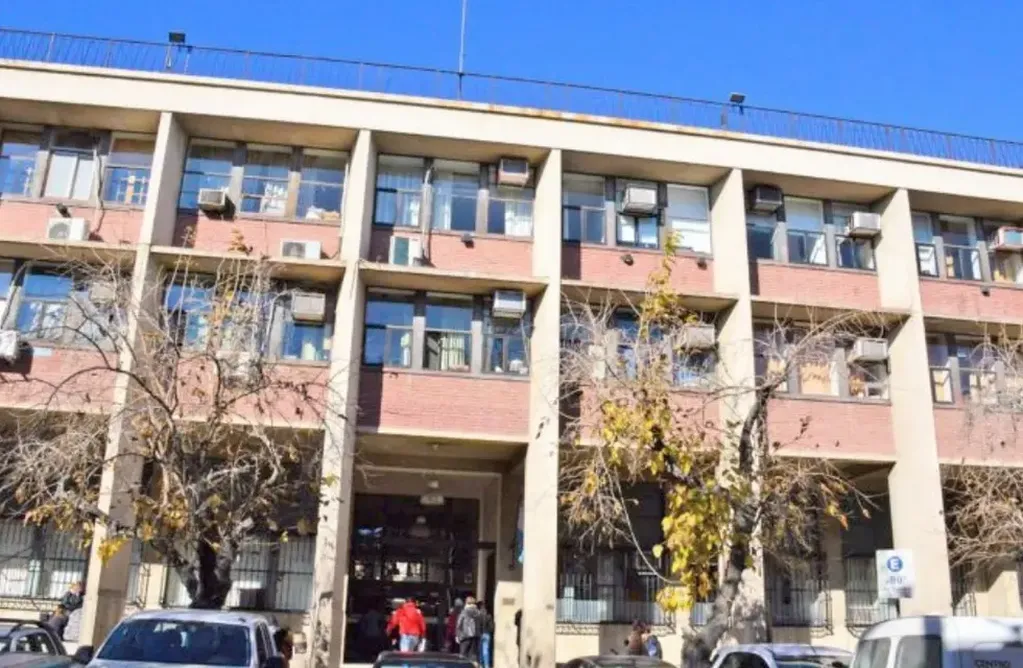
[[449, 404]]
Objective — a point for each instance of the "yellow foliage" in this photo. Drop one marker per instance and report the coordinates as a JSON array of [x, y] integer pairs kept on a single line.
[[111, 546]]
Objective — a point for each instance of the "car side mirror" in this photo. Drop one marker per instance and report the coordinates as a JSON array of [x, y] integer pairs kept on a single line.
[[274, 662], [83, 654]]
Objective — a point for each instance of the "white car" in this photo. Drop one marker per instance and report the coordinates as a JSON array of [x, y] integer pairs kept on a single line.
[[186, 637]]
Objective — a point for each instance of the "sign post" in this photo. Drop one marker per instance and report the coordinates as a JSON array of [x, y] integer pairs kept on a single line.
[[896, 577]]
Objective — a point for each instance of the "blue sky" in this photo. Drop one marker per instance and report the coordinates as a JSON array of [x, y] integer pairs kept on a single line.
[[942, 64]]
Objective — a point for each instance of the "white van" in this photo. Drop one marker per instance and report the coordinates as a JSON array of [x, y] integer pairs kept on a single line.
[[942, 642]]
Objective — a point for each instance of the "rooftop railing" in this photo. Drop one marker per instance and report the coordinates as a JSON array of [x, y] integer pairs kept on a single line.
[[336, 73]]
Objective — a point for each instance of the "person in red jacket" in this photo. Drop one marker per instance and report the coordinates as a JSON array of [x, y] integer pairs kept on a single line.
[[411, 625]]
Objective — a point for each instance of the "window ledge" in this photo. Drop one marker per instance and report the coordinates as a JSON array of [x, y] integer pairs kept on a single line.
[[44, 344], [961, 281], [477, 235], [70, 203], [274, 361], [447, 374], [238, 216], [594, 628], [815, 267], [831, 399], [634, 249]]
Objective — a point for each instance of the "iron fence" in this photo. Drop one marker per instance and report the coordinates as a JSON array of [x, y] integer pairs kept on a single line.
[[798, 594], [607, 587], [143, 56], [964, 597], [38, 562], [862, 606]]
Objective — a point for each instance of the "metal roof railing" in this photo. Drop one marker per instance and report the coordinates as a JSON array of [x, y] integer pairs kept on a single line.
[[336, 73]]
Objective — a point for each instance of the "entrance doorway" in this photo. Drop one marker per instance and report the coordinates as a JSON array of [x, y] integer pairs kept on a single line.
[[402, 548]]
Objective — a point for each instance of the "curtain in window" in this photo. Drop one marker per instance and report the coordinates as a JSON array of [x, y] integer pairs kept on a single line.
[[275, 198], [452, 354]]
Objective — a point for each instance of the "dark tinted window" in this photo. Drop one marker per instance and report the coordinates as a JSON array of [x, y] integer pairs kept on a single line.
[[164, 641], [872, 653], [918, 652]]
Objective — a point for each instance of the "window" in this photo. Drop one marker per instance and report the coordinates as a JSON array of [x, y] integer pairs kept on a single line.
[[388, 331], [693, 368], [6, 275], [872, 653], [941, 374], [926, 253], [188, 307], [506, 343], [321, 185], [38, 562], [962, 258], [455, 192], [626, 325], [805, 219], [760, 235], [1006, 266], [43, 313], [265, 180], [186, 642], [977, 378], [688, 216], [850, 252], [208, 166], [448, 334], [769, 351], [608, 586], [303, 340], [510, 209], [582, 210], [72, 167], [918, 652], [638, 231], [797, 591], [868, 380], [18, 151], [399, 194], [126, 176]]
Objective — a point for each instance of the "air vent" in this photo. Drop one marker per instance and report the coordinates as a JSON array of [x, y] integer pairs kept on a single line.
[[406, 251], [765, 199], [865, 224], [212, 200], [513, 172], [1009, 239], [67, 229], [869, 350], [300, 250], [308, 306], [639, 200], [509, 304], [698, 336]]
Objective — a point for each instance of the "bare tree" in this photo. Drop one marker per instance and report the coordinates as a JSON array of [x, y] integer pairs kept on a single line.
[[637, 409], [177, 426]]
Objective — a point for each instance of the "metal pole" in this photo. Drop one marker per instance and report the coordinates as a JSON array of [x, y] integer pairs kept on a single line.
[[461, 50]]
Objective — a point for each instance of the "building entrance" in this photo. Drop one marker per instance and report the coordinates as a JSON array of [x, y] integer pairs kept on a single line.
[[401, 548]]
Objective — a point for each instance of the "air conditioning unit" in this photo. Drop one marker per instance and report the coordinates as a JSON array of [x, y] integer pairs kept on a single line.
[[212, 200], [406, 251], [698, 336], [866, 349], [765, 199], [1009, 239], [237, 367], [513, 172], [865, 224], [640, 199], [509, 304], [10, 345], [67, 229], [301, 250], [308, 306], [102, 292]]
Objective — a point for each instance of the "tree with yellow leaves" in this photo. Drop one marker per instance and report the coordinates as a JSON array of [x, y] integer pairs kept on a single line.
[[633, 413]]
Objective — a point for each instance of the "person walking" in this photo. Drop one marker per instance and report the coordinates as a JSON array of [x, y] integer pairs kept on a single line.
[[408, 620], [487, 638], [469, 629], [450, 624], [285, 646], [635, 645]]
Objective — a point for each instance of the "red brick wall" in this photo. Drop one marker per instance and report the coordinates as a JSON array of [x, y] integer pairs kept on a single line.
[[28, 220], [604, 266], [196, 230], [963, 299], [43, 378], [837, 429], [491, 406], [977, 435], [815, 286], [488, 254]]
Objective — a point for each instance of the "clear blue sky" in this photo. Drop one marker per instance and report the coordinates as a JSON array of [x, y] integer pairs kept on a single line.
[[943, 64]]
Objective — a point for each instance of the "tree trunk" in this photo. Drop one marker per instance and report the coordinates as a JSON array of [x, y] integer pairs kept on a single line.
[[208, 579]]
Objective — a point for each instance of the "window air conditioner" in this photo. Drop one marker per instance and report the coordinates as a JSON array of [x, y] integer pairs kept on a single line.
[[67, 229], [302, 250], [213, 200], [406, 251], [102, 292], [1009, 239], [509, 304], [513, 172], [698, 336], [308, 306], [865, 224], [765, 199], [869, 350], [10, 345], [640, 200]]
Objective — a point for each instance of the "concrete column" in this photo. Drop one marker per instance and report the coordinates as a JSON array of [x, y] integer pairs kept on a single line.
[[540, 504], [508, 592], [1002, 597], [834, 570], [107, 582], [914, 482], [735, 359], [333, 531]]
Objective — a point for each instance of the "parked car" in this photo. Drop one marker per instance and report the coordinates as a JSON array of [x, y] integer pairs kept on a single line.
[[942, 642], [781, 655], [194, 637], [422, 660], [30, 644], [617, 661]]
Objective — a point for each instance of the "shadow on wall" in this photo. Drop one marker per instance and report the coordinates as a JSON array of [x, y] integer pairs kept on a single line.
[[571, 260]]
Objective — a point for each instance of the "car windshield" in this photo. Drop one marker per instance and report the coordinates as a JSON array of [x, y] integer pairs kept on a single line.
[[174, 641], [812, 662]]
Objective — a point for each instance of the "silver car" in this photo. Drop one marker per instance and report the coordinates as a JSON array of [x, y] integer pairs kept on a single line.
[[186, 638], [781, 655]]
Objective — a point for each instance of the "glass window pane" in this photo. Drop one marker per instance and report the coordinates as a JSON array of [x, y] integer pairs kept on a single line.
[[571, 224], [74, 139], [132, 152], [922, 232], [82, 187], [323, 168], [267, 164], [17, 161], [18, 144], [210, 159], [303, 341], [804, 214], [648, 233], [47, 284], [593, 226], [385, 312], [626, 230], [60, 174], [447, 315], [687, 202], [583, 190], [692, 235]]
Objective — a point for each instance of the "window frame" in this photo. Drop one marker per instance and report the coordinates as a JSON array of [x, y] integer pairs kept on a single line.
[[266, 181], [411, 300], [109, 165], [445, 168], [581, 208], [670, 220], [453, 300], [31, 175], [415, 196], [302, 182], [819, 235], [228, 177], [489, 337], [55, 149], [509, 195]]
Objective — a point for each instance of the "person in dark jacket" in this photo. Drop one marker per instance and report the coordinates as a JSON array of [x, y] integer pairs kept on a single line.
[[469, 630], [58, 621], [72, 598], [487, 639]]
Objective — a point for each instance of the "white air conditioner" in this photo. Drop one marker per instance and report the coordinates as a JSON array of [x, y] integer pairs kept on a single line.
[[406, 251], [308, 306], [698, 336], [212, 199], [865, 224], [10, 344], [67, 229], [513, 172], [639, 199], [509, 304], [1009, 239], [866, 349], [102, 292], [765, 199], [302, 250], [237, 367]]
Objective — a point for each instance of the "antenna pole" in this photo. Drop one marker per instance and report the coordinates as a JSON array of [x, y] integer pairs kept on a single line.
[[461, 50]]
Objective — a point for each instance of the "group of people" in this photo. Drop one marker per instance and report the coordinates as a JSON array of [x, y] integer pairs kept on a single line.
[[642, 641], [70, 602], [469, 629]]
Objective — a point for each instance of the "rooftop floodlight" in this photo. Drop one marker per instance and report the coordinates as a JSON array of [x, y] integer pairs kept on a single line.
[[737, 98], [176, 37]]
